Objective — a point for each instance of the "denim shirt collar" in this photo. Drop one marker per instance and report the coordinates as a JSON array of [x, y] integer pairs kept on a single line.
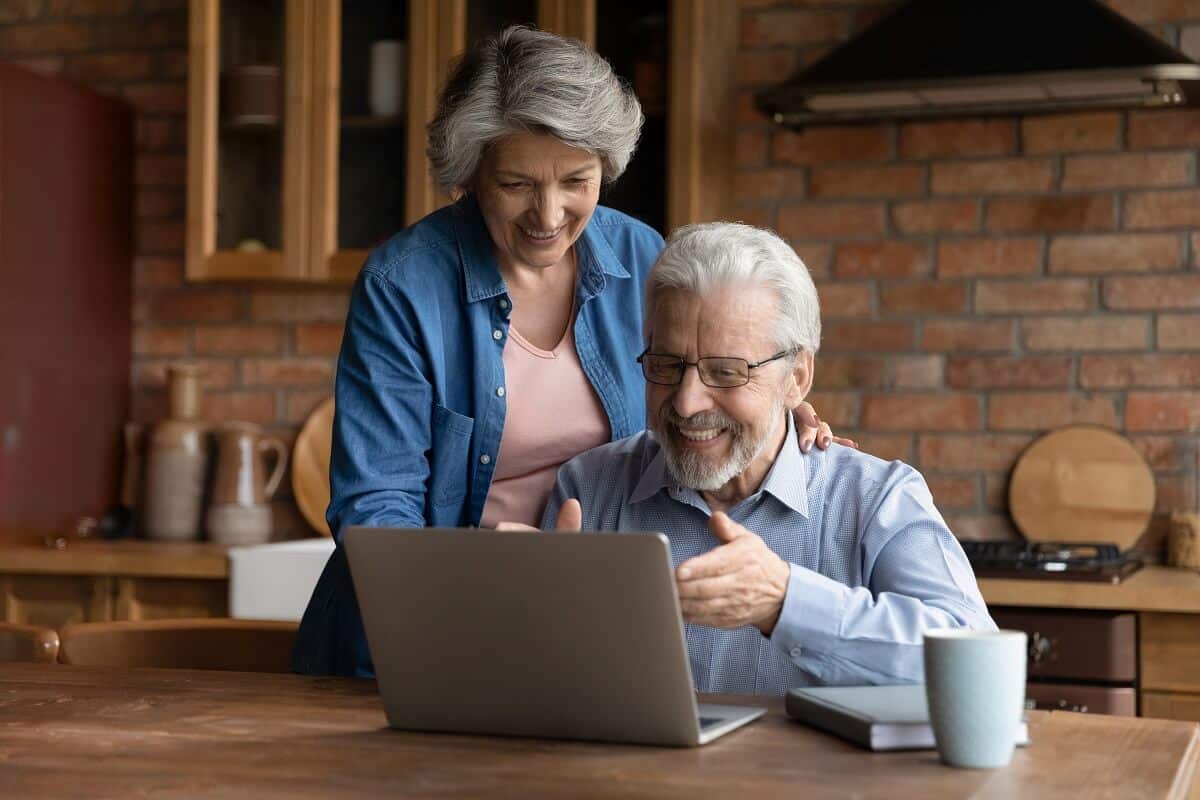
[[786, 481], [481, 273]]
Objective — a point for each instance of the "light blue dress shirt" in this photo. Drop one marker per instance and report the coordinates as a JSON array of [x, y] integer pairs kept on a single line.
[[873, 564]]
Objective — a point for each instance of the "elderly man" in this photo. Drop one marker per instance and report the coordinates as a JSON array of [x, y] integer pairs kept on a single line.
[[793, 568]]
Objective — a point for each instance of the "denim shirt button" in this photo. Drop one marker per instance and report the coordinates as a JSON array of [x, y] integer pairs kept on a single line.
[[499, 391], [485, 459], [497, 334], [503, 303]]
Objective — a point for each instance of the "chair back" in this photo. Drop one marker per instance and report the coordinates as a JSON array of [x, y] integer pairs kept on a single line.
[[229, 644], [28, 643]]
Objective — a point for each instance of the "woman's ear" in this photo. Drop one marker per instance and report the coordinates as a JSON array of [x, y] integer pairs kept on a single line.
[[801, 379]]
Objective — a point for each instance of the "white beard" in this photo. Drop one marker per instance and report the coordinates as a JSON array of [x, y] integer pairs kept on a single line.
[[695, 470]]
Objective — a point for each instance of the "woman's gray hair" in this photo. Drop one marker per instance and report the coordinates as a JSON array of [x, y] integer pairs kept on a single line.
[[527, 80], [698, 258]]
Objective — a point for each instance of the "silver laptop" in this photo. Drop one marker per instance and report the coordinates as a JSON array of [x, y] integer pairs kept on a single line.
[[567, 636]]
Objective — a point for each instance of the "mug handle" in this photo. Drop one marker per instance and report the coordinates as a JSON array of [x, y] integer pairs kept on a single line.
[[281, 460]]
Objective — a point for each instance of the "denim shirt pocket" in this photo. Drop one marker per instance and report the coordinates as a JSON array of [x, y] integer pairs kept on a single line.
[[449, 459]]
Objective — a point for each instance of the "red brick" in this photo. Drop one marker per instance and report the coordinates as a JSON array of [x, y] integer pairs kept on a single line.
[[154, 135], [110, 66], [891, 181], [879, 336], [1163, 453], [1179, 331], [1173, 492], [1152, 292], [152, 97], [158, 170], [213, 374], [995, 491], [160, 341], [154, 238], [241, 406], [1042, 411], [1148, 370], [323, 339], [817, 256], [993, 177], [759, 216], [913, 372], [18, 10], [139, 31], [1157, 10], [832, 221], [968, 336], [923, 297], [764, 67], [42, 66], [1136, 170], [882, 260], [971, 451], [160, 204], [839, 409], [1128, 252], [952, 138], [1087, 333], [790, 28], [44, 37], [157, 6], [301, 403], [1059, 133], [88, 8], [1007, 297], [921, 412], [1177, 209], [1050, 214], [984, 528], [173, 64], [195, 305], [768, 184], [846, 299], [309, 306], [1162, 411], [826, 144], [287, 372], [849, 372], [954, 491], [959, 258], [935, 216], [234, 340], [750, 149], [888, 446], [157, 272], [748, 114], [1196, 249], [1164, 128], [1008, 372]]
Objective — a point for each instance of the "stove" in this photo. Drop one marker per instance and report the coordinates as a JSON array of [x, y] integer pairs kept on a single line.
[[1079, 561]]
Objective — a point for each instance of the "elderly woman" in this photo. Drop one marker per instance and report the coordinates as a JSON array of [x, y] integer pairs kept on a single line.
[[496, 338]]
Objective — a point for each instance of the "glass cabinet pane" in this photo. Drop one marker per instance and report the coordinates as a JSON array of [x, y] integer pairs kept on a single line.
[[485, 17], [250, 125], [371, 141], [634, 36]]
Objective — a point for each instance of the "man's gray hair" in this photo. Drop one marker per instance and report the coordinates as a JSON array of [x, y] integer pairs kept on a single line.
[[698, 258], [525, 80]]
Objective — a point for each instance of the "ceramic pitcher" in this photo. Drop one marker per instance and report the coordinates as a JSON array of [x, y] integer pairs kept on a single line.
[[177, 461], [240, 513]]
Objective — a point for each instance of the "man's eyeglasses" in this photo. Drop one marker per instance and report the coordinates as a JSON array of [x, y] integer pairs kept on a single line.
[[719, 372]]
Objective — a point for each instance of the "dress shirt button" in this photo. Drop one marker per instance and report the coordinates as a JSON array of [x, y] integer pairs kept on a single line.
[[499, 391], [485, 459], [503, 303], [497, 334]]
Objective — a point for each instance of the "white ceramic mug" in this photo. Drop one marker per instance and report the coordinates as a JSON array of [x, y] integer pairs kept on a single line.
[[975, 686], [386, 85]]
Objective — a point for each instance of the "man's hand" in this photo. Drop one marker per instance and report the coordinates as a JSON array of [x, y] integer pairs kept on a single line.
[[570, 520], [741, 582]]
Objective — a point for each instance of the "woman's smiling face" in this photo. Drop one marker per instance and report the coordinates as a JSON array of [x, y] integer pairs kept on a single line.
[[537, 195]]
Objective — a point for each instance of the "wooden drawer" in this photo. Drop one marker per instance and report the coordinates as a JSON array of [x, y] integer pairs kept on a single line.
[[1170, 652], [1171, 705], [1079, 645], [1119, 701]]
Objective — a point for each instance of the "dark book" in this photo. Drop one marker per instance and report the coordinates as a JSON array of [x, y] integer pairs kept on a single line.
[[874, 717]]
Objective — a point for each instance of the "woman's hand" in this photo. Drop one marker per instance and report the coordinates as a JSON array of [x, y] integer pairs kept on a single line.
[[810, 429]]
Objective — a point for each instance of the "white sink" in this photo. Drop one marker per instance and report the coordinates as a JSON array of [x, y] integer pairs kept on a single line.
[[274, 581]]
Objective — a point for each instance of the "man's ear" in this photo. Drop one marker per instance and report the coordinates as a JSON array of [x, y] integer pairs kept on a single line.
[[801, 380]]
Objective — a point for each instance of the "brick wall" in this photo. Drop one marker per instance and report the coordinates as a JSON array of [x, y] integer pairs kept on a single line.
[[984, 280], [268, 353]]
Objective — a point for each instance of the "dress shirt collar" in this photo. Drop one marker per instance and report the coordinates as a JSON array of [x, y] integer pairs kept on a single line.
[[477, 254], [786, 481]]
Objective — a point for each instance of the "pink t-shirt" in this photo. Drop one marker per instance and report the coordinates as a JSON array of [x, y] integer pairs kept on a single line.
[[553, 415]]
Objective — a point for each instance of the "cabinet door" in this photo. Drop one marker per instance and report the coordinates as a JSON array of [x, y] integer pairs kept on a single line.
[[55, 600], [250, 92], [170, 598]]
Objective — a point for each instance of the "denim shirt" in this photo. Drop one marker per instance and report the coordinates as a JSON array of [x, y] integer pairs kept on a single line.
[[420, 388]]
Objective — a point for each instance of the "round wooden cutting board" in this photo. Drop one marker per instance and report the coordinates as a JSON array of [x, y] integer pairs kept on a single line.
[[310, 466], [1082, 483]]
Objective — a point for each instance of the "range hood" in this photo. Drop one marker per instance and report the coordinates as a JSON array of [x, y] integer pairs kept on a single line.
[[939, 58]]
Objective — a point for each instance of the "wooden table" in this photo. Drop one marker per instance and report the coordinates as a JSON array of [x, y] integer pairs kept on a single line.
[[103, 733]]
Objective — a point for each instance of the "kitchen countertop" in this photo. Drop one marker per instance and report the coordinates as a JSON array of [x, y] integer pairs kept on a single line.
[[25, 553], [1152, 588]]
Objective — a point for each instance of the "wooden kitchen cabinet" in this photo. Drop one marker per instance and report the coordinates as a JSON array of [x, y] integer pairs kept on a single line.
[[304, 192], [103, 581]]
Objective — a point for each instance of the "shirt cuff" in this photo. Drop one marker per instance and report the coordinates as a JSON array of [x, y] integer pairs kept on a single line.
[[812, 613]]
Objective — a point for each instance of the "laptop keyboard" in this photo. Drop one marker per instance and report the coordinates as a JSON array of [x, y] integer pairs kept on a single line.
[[708, 722]]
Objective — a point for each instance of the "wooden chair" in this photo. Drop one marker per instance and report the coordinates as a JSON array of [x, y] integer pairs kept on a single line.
[[230, 644], [28, 643]]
